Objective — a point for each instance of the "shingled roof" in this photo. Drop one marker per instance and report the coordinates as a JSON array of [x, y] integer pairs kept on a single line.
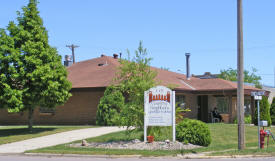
[[99, 72]]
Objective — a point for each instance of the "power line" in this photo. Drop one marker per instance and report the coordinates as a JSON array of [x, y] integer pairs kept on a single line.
[[265, 74]]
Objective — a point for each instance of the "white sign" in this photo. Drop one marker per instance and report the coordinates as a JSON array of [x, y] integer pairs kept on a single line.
[[258, 97], [264, 123], [159, 108], [258, 93]]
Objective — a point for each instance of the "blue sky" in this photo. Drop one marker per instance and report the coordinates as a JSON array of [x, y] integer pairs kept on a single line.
[[168, 29]]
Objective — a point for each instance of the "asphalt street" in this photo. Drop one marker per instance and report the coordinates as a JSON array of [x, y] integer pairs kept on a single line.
[[70, 158]]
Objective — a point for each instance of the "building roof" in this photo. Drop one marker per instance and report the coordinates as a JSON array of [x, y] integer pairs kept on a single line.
[[206, 75], [214, 84], [99, 72]]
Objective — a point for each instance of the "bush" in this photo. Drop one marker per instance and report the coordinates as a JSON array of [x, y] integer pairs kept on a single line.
[[194, 132], [264, 111], [272, 111], [247, 120], [109, 107]]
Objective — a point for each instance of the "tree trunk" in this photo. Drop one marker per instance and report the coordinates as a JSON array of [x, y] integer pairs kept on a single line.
[[30, 119]]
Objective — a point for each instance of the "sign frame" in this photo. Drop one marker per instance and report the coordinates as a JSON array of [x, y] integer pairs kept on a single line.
[[153, 95]]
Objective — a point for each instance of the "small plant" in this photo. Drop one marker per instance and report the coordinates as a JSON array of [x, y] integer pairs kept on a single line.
[[160, 133], [180, 111], [247, 120], [194, 132]]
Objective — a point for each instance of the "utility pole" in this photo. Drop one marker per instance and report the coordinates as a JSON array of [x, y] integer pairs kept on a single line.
[[240, 90], [72, 48]]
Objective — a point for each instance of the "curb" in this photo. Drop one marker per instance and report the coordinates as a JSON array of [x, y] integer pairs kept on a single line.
[[140, 156], [225, 156], [81, 155]]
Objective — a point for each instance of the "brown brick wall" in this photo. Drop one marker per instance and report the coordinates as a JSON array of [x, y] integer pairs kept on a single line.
[[79, 109], [191, 103]]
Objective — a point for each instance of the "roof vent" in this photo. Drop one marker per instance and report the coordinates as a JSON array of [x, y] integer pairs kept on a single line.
[[115, 56], [102, 55], [68, 60], [187, 65], [103, 64]]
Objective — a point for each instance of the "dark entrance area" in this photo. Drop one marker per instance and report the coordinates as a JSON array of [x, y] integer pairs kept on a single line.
[[203, 108]]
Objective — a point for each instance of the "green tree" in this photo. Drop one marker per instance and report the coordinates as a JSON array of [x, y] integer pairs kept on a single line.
[[249, 77], [32, 74], [272, 111], [264, 112], [110, 106], [134, 78]]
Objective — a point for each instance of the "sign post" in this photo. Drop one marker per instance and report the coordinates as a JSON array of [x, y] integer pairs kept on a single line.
[[258, 97], [159, 109]]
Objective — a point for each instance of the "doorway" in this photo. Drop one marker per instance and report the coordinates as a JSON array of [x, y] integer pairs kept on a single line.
[[203, 108]]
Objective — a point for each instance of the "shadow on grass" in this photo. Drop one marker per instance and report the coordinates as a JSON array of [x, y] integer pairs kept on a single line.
[[23, 131]]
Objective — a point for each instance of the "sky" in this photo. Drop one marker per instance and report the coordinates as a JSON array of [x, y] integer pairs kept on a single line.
[[168, 28]]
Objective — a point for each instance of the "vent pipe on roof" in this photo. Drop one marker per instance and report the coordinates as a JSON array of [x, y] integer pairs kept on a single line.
[[187, 65], [115, 56], [68, 60]]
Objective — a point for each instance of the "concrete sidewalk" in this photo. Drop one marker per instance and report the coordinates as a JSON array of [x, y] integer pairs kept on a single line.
[[55, 139]]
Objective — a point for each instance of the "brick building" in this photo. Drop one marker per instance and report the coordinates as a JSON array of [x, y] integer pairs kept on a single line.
[[90, 78]]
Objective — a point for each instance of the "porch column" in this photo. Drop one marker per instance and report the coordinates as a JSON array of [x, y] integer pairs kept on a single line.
[[252, 104], [230, 109]]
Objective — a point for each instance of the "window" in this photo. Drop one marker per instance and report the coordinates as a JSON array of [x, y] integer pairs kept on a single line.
[[180, 101], [46, 110], [247, 107], [222, 104]]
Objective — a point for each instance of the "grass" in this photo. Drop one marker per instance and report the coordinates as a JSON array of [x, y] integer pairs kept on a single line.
[[10, 134], [224, 142], [63, 149], [225, 137]]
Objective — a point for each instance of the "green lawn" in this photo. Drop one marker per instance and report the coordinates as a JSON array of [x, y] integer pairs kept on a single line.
[[10, 134], [224, 137]]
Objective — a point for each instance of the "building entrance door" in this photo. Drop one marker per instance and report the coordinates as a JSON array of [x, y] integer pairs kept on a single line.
[[203, 108]]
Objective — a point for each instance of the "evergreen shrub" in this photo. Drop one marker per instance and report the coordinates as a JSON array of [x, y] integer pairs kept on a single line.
[[194, 132], [264, 112], [109, 107], [272, 111]]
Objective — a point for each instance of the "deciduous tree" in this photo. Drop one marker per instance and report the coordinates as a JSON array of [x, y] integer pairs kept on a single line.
[[249, 77], [132, 79]]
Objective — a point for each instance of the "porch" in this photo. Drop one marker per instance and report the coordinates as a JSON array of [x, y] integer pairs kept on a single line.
[[202, 103]]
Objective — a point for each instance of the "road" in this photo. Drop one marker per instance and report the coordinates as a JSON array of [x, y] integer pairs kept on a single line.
[[51, 158]]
